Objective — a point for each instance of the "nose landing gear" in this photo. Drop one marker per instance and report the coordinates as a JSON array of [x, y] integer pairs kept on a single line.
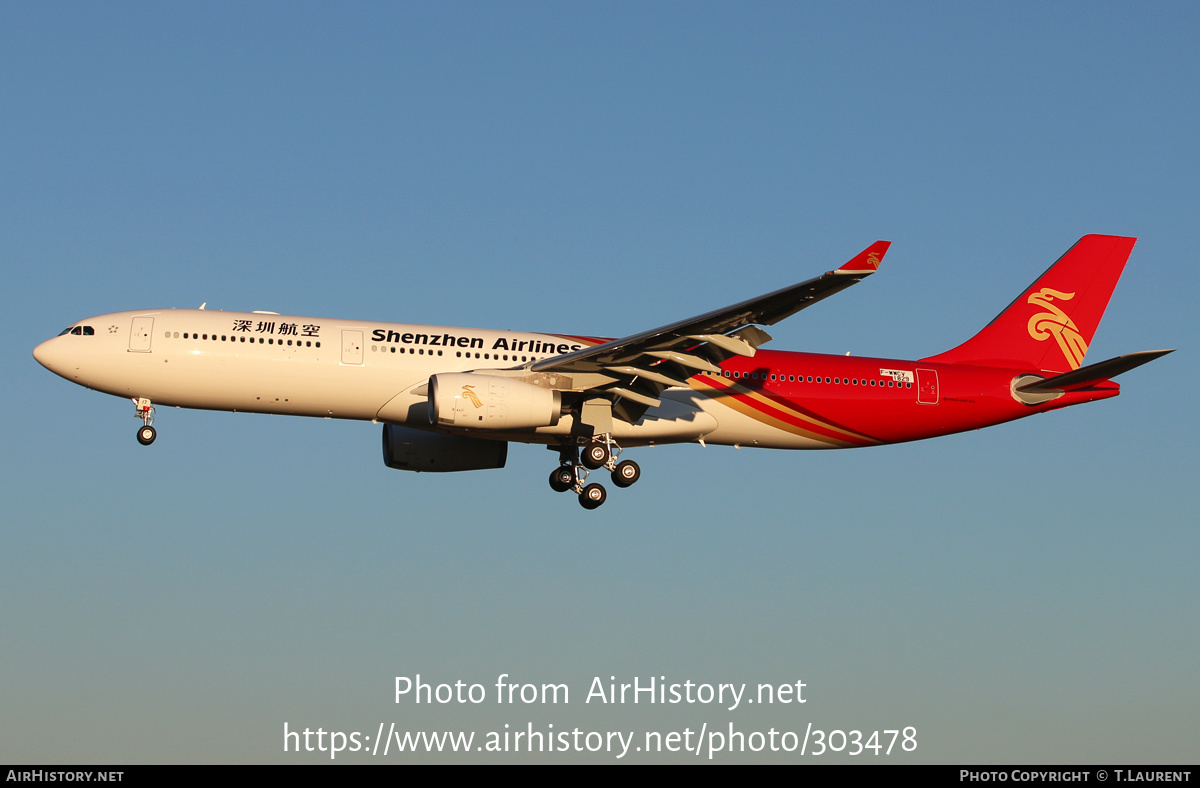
[[144, 410]]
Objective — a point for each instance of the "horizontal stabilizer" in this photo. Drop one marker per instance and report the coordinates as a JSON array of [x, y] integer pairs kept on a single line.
[[1092, 373]]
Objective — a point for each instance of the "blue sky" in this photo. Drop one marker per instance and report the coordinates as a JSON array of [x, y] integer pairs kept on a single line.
[[1021, 594]]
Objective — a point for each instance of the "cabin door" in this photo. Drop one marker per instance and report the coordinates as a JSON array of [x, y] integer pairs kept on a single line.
[[140, 334], [927, 387], [352, 346]]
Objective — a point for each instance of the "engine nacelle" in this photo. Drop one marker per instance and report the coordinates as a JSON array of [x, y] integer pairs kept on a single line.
[[487, 402], [406, 449]]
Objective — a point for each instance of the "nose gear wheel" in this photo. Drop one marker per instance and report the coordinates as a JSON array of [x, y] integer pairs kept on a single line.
[[144, 410]]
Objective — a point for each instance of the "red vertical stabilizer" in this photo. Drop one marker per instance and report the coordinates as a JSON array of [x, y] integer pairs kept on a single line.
[[1051, 324]]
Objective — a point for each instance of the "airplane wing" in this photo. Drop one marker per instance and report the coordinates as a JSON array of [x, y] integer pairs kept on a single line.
[[634, 371]]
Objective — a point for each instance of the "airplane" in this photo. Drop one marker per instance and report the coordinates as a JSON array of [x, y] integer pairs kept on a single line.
[[452, 399]]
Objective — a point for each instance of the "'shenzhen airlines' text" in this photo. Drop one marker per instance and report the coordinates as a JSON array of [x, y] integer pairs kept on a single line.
[[392, 337]]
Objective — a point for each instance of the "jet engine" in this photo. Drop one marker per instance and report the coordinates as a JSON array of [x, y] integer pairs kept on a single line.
[[488, 402], [406, 449]]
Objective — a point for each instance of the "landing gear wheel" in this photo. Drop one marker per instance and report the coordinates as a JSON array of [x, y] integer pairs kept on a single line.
[[626, 473], [146, 435], [592, 496], [562, 479], [595, 456]]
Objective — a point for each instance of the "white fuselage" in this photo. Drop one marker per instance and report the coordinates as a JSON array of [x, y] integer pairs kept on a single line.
[[269, 363]]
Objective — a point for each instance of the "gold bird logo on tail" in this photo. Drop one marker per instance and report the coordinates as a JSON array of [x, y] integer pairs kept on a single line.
[[1055, 322]]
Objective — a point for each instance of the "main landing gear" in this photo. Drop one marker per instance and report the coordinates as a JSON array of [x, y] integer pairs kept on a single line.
[[573, 470], [144, 410]]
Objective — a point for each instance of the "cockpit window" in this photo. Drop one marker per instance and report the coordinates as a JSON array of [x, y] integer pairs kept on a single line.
[[77, 330], [88, 332], [66, 330], [85, 331]]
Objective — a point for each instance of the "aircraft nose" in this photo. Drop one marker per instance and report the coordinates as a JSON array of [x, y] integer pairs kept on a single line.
[[41, 354], [50, 354]]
